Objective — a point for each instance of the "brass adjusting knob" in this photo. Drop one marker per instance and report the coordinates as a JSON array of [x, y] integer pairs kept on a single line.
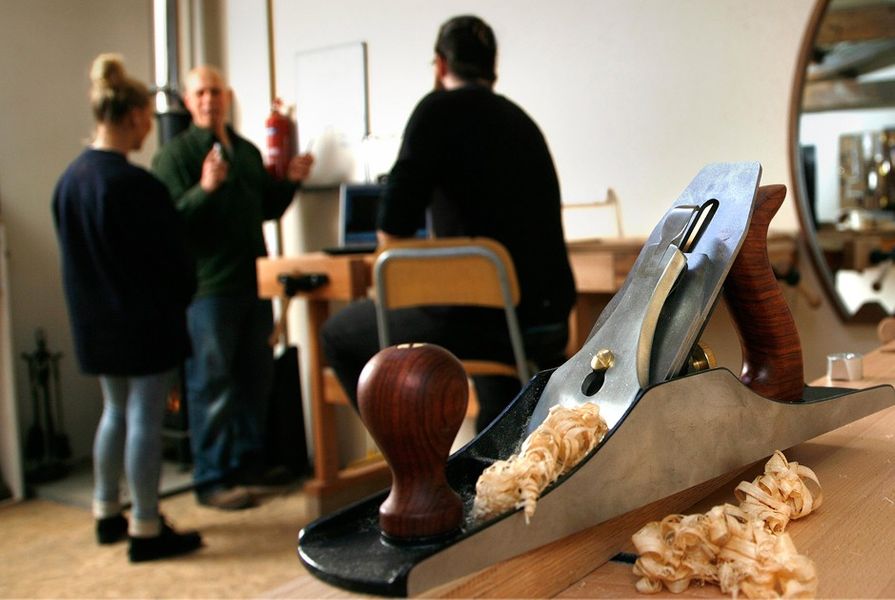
[[701, 358], [602, 360]]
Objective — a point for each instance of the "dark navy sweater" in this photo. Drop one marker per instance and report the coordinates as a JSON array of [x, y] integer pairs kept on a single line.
[[126, 271]]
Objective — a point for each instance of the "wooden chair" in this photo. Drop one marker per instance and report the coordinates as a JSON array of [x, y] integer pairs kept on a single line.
[[451, 271]]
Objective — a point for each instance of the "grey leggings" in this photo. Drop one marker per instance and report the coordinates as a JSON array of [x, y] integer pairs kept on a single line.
[[129, 439]]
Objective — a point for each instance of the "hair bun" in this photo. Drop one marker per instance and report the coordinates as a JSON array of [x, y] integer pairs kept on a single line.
[[112, 92], [108, 71]]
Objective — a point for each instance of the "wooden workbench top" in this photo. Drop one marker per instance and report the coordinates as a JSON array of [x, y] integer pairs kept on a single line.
[[850, 538]]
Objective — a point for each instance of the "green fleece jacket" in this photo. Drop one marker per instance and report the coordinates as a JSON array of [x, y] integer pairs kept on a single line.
[[223, 227]]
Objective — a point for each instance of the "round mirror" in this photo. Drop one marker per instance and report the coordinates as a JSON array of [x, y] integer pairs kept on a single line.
[[842, 132]]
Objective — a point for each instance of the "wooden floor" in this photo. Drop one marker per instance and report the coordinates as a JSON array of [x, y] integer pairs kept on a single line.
[[48, 550], [48, 547]]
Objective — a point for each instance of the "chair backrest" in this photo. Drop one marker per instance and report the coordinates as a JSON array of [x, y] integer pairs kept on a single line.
[[449, 271]]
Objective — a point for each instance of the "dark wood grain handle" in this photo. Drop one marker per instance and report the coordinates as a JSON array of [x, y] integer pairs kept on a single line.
[[412, 398], [772, 352]]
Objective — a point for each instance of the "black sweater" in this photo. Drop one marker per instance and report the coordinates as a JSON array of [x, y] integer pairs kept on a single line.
[[482, 167], [126, 271]]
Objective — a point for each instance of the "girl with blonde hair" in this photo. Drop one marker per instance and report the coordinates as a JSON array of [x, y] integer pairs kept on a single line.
[[127, 279]]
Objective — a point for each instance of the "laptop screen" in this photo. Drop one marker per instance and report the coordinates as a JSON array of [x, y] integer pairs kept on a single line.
[[358, 207]]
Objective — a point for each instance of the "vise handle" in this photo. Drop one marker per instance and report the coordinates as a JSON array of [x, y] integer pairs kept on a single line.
[[301, 282]]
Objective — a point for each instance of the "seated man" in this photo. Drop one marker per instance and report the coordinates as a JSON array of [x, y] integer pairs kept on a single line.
[[481, 167]]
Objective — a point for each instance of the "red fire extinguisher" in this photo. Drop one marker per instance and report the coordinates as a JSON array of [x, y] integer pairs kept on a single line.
[[282, 140]]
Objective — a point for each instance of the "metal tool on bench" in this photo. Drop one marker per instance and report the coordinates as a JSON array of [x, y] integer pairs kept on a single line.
[[646, 333], [667, 432]]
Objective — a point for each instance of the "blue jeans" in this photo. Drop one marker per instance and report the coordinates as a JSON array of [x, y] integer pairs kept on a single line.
[[129, 439], [228, 380]]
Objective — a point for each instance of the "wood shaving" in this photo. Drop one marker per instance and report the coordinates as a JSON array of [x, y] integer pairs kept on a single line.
[[565, 437], [781, 494], [742, 549]]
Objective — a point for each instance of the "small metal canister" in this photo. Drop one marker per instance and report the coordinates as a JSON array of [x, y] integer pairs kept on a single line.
[[845, 366]]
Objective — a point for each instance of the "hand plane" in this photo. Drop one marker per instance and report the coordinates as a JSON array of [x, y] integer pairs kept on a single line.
[[668, 430]]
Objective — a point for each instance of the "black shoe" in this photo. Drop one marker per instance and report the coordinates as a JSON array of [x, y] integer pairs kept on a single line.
[[232, 498], [165, 544], [266, 480], [111, 529]]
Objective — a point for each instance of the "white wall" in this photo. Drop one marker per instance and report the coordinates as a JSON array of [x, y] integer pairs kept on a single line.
[[46, 47], [636, 95]]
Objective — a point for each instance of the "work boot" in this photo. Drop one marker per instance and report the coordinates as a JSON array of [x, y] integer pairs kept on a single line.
[[111, 529], [167, 543], [231, 498]]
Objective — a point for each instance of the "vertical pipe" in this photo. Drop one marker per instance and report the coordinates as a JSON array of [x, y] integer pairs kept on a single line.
[[172, 73], [169, 109], [271, 53], [271, 64], [160, 54], [198, 54]]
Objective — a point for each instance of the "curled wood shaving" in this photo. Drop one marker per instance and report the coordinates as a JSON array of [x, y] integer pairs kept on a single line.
[[743, 549], [557, 445], [781, 494]]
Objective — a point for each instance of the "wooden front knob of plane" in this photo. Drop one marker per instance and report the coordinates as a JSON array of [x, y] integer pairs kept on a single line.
[[412, 398]]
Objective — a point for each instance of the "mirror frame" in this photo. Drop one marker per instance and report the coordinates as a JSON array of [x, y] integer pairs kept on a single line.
[[870, 312]]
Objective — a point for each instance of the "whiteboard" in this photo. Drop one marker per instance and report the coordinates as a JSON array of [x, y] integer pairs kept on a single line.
[[331, 101]]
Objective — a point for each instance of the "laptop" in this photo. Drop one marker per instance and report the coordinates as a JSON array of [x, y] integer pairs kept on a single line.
[[358, 208]]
